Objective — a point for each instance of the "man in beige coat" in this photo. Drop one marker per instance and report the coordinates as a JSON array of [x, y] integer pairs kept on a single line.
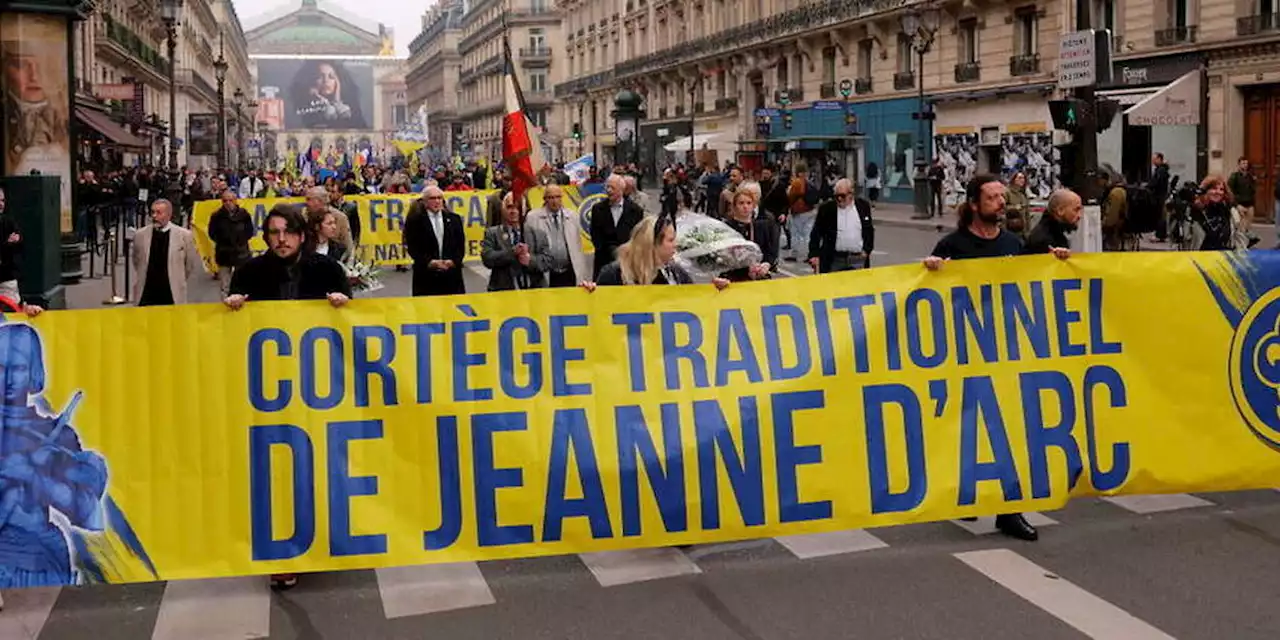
[[568, 266], [164, 256]]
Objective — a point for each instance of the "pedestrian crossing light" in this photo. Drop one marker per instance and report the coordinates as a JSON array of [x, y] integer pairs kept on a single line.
[[1066, 114]]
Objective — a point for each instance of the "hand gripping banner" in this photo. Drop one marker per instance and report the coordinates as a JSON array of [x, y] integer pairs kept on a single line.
[[188, 442]]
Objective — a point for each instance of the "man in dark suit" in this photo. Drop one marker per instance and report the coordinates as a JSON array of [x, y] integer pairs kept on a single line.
[[843, 235], [436, 241], [612, 220]]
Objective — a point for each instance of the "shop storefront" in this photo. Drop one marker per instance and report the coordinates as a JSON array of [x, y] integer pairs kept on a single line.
[[1127, 146], [1001, 131], [885, 134], [654, 139]]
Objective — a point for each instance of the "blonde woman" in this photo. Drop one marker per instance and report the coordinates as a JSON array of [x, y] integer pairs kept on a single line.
[[648, 258]]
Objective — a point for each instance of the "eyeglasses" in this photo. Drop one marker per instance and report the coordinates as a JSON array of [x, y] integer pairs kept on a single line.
[[842, 196]]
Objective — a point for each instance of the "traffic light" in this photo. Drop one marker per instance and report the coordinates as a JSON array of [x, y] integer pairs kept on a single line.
[[577, 131], [1066, 114], [786, 119], [1107, 110]]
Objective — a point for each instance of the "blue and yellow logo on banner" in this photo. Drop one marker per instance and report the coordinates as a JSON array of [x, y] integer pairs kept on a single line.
[[192, 441]]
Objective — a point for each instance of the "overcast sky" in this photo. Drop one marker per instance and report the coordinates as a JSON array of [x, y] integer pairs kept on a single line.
[[403, 16]]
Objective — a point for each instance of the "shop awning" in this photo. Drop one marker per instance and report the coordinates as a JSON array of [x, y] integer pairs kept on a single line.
[[1127, 97], [700, 141], [1177, 104], [103, 124]]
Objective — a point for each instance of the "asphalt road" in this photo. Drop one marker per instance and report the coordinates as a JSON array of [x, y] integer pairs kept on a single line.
[[1182, 566]]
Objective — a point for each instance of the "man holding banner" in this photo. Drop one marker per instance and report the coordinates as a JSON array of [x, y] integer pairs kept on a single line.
[[980, 236]]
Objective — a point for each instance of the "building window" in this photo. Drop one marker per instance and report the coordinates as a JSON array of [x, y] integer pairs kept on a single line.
[[537, 38], [1104, 15], [538, 6], [829, 65], [538, 117], [399, 113], [1177, 12], [1024, 32], [781, 72], [967, 38], [864, 58], [538, 81], [906, 55]]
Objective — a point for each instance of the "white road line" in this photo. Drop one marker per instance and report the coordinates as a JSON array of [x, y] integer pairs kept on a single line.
[[432, 588], [613, 568], [1158, 503], [26, 611], [987, 525], [818, 545], [214, 608], [1065, 601]]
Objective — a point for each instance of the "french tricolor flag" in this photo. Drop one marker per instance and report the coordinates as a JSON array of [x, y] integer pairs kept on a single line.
[[521, 149]]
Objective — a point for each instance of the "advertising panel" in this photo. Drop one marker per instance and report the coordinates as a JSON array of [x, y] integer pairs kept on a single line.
[[319, 93], [202, 134]]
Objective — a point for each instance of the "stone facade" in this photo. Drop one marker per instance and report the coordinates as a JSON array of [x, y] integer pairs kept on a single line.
[[474, 114], [432, 80], [124, 42]]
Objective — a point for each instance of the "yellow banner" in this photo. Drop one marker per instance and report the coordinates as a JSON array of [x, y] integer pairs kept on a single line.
[[382, 220], [192, 441]]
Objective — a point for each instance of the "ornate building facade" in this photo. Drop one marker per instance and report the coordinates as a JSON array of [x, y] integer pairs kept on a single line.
[[432, 80], [122, 78], [325, 84], [475, 123]]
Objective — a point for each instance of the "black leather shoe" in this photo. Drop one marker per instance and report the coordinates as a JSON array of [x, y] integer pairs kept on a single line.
[[1016, 526]]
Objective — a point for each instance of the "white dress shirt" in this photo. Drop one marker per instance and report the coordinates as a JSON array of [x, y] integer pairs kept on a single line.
[[437, 225], [616, 210], [848, 230]]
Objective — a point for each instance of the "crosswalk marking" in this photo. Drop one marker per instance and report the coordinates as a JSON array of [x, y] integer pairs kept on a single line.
[[214, 608], [1065, 601], [613, 568], [26, 611], [1158, 503], [818, 545], [432, 588], [987, 525]]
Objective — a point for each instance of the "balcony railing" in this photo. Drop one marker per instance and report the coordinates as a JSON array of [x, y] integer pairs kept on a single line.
[[794, 94], [1261, 23], [1175, 35], [1024, 65], [127, 39], [827, 90], [535, 52], [904, 80], [968, 72], [581, 85], [726, 103], [862, 85], [804, 18]]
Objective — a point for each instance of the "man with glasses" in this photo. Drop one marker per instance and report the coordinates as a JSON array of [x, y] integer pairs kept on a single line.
[[560, 226], [436, 242], [843, 235]]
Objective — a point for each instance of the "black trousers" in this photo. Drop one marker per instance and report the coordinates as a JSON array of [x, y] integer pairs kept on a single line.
[[561, 279]]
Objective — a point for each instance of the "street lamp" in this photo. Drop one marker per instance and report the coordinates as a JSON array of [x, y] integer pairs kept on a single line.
[[627, 115], [237, 103], [220, 74], [920, 26], [171, 15]]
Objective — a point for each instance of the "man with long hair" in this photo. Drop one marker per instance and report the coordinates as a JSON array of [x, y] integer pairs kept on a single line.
[[980, 236]]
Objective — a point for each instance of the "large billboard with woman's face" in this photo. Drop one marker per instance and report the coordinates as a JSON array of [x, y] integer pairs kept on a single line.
[[319, 93]]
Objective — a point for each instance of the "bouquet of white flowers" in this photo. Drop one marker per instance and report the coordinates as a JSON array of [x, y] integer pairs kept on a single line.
[[363, 276], [706, 247]]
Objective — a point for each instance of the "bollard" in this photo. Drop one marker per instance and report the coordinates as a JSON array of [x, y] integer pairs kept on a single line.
[[109, 249]]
